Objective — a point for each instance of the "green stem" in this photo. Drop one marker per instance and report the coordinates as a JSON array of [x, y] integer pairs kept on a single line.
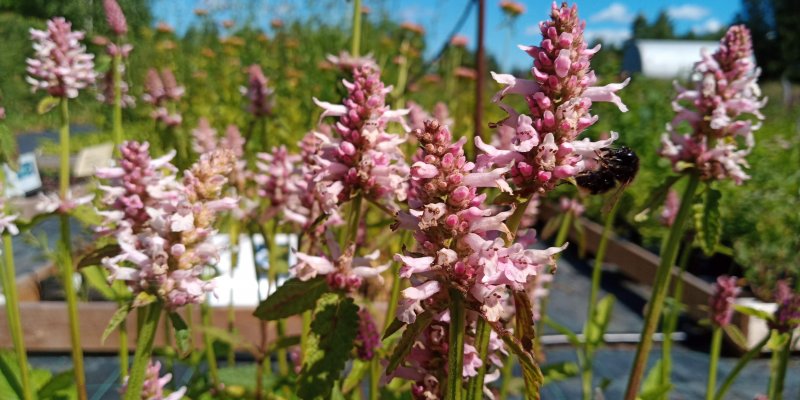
[[561, 238], [597, 271], [355, 50], [352, 222], [716, 345], [116, 63], [123, 349], [272, 278], [234, 249], [755, 351], [13, 315], [506, 374], [144, 347], [455, 353], [668, 256], [66, 249], [671, 320], [779, 363], [397, 285], [211, 356], [475, 386], [374, 379]]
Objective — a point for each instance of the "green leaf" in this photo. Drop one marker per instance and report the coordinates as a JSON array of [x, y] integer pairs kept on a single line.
[[143, 298], [559, 371], [777, 341], [182, 333], [407, 340], [652, 388], [333, 330], [571, 336], [46, 104], [120, 315], [525, 330], [97, 280], [293, 297], [393, 327], [61, 386], [551, 226], [707, 221], [599, 321], [753, 312], [736, 335], [657, 197]]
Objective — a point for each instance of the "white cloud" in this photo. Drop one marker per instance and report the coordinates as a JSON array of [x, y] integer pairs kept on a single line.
[[616, 12], [608, 36], [711, 25], [690, 12]]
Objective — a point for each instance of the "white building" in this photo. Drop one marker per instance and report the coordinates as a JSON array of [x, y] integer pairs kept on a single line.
[[664, 59]]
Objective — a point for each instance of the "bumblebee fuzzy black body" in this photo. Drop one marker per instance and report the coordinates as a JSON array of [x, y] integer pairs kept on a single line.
[[615, 165]]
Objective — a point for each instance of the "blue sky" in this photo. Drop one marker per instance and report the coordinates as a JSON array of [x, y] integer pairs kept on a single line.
[[609, 20]]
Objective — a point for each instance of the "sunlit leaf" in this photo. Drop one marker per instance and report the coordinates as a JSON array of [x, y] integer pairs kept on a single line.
[[120, 315]]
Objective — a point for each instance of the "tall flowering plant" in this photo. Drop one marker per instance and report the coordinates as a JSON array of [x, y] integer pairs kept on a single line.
[[718, 110], [62, 67], [163, 226]]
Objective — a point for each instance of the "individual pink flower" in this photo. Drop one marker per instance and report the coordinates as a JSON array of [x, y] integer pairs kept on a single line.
[[105, 92], [258, 93], [362, 158], [417, 115], [51, 202], [718, 110], [343, 271], [722, 301], [164, 226], [546, 148], [459, 41], [60, 65], [571, 205], [154, 384], [163, 92], [115, 17], [671, 205]]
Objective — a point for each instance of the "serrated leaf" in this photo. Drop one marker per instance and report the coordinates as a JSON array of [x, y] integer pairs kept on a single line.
[[657, 197], [182, 333], [599, 321], [525, 330], [736, 335], [753, 312], [333, 331], [531, 374], [407, 340], [559, 371], [291, 298], [46, 104], [707, 221], [116, 319]]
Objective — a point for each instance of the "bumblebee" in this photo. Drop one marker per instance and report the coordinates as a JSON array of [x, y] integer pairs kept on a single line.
[[615, 165]]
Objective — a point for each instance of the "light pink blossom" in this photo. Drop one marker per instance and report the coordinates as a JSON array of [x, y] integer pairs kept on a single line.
[[60, 65]]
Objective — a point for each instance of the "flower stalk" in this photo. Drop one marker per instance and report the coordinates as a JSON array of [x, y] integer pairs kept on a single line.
[[716, 345], [669, 255], [66, 256], [356, 44], [12, 307], [455, 353], [144, 348]]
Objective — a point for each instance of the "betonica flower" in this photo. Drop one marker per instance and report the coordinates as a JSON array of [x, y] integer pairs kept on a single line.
[[719, 109], [204, 137], [162, 91], [721, 305], [60, 65], [458, 243], [115, 17], [545, 148], [6, 218], [163, 225], [362, 158], [368, 339], [258, 92]]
